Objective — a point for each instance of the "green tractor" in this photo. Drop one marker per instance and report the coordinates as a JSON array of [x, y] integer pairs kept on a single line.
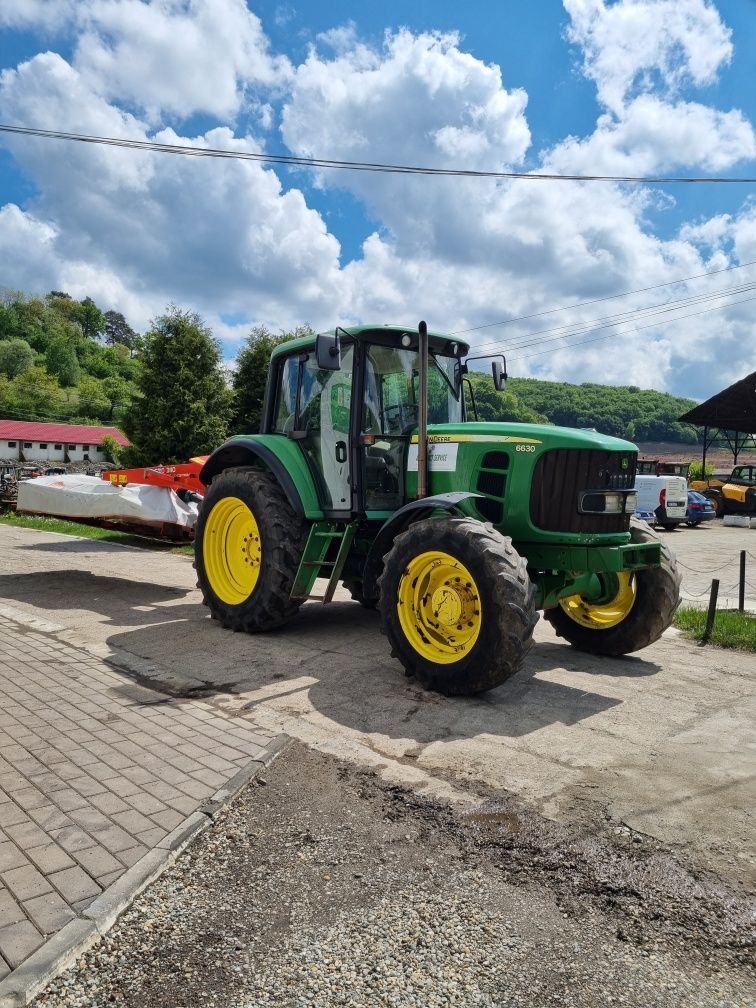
[[367, 471]]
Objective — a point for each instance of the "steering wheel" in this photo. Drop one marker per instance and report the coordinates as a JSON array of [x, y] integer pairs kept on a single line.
[[400, 416]]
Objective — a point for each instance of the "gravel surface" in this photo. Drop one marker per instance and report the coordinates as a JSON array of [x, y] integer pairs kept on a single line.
[[322, 886]]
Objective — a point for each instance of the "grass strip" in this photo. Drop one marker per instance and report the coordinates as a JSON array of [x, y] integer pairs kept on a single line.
[[732, 629], [61, 525]]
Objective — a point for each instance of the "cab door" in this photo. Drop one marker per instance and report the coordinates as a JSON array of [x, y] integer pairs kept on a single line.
[[313, 407]]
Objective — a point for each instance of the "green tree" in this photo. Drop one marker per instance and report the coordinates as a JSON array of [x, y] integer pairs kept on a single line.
[[93, 401], [35, 393], [113, 451], [16, 356], [251, 374], [697, 471], [184, 404], [498, 406], [91, 319], [62, 362], [118, 331]]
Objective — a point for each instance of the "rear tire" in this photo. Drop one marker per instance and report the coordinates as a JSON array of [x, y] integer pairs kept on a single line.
[[248, 546], [717, 502], [657, 596], [457, 605]]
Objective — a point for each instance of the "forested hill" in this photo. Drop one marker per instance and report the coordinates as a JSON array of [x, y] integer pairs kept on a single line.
[[622, 410], [65, 360]]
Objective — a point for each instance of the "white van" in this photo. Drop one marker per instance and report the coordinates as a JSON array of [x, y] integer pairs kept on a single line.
[[663, 497]]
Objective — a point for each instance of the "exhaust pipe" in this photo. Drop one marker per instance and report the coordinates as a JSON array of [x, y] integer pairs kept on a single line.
[[422, 414]]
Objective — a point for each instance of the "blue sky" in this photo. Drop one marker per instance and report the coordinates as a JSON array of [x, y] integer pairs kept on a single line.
[[628, 87]]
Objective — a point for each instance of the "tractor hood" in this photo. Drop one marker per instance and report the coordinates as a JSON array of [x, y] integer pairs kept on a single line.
[[534, 482]]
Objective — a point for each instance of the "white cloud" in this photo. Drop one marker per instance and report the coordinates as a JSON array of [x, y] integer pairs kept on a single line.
[[421, 100], [646, 45], [175, 57], [221, 235], [653, 136], [45, 14], [163, 57], [744, 238]]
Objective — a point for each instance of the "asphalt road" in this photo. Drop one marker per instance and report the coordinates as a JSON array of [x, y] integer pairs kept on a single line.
[[660, 743]]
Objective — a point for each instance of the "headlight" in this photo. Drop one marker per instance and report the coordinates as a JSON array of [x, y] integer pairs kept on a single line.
[[600, 502]]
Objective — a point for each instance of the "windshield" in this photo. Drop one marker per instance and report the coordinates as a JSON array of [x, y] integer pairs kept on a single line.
[[392, 388]]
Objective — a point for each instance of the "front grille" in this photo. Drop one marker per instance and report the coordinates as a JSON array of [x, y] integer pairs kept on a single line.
[[562, 474]]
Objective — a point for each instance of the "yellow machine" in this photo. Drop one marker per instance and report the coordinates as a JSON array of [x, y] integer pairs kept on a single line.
[[735, 494]]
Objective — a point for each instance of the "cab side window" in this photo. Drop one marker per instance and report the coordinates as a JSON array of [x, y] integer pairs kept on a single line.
[[286, 396]]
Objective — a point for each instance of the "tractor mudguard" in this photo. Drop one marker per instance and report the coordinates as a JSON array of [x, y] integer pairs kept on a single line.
[[397, 523], [280, 456]]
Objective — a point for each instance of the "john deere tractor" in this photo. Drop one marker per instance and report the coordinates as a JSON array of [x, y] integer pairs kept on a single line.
[[369, 471]]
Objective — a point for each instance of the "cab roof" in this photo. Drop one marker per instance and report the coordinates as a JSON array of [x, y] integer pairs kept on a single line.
[[438, 342]]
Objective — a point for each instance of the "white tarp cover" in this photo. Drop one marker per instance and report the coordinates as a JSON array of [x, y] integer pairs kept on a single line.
[[75, 496]]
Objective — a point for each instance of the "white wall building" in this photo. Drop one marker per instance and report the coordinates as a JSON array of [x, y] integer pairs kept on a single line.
[[28, 441]]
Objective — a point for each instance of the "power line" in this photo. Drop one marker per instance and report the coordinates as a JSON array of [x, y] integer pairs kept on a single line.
[[609, 297], [364, 166], [653, 325], [620, 319]]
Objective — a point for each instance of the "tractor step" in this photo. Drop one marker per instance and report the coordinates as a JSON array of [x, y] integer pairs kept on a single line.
[[313, 561]]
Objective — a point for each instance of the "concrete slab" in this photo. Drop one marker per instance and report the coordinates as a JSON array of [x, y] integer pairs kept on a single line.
[[662, 739]]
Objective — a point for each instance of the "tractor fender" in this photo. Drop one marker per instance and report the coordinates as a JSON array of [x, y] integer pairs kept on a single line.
[[397, 523], [283, 458]]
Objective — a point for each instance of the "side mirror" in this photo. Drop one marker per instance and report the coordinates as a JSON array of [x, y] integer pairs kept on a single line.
[[499, 369], [328, 352]]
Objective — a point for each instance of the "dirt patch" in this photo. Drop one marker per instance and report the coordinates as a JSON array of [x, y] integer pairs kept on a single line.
[[324, 886]]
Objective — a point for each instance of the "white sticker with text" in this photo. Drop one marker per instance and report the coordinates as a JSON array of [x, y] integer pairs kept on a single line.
[[441, 457]]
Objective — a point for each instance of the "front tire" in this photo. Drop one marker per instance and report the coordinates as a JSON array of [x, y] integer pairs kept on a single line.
[[638, 615], [248, 546], [457, 605]]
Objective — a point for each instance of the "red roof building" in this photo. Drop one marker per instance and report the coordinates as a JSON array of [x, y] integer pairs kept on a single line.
[[25, 430], [30, 441]]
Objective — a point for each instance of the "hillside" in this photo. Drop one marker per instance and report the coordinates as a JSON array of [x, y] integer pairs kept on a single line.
[[66, 360], [621, 410]]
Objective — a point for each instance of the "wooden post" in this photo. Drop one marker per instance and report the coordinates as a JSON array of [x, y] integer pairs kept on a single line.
[[712, 611]]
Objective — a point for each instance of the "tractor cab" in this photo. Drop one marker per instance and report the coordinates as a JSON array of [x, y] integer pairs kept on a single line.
[[358, 456]]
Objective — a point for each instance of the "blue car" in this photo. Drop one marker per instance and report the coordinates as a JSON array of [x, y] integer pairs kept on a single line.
[[700, 509]]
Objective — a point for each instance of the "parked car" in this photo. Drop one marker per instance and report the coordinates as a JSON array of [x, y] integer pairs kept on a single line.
[[665, 497], [700, 509], [646, 516], [55, 471]]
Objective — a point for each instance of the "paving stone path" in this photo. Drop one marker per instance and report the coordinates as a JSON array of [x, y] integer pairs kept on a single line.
[[95, 772]]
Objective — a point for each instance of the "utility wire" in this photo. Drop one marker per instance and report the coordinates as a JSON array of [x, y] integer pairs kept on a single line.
[[653, 325], [622, 318], [609, 297], [365, 166]]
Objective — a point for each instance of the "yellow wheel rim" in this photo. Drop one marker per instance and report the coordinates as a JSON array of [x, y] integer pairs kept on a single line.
[[606, 614], [439, 607], [231, 550]]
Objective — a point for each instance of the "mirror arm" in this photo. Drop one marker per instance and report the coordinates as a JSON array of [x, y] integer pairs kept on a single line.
[[468, 382]]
